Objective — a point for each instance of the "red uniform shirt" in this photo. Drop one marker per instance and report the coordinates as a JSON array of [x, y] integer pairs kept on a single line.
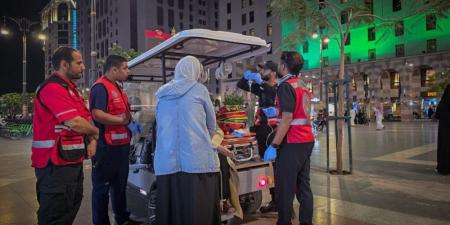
[[60, 105]]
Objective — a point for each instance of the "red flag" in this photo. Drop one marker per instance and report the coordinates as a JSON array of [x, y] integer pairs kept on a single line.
[[156, 34]]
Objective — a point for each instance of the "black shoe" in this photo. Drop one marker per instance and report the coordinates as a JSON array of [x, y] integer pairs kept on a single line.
[[271, 207]]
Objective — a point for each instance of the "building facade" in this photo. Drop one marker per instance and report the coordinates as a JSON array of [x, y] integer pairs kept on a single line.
[[248, 17], [59, 23], [125, 22], [394, 66]]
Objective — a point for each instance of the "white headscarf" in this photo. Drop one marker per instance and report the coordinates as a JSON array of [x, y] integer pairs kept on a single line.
[[189, 68]]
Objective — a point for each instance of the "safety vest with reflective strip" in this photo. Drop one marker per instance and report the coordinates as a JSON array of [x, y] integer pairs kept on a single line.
[[300, 130], [117, 106], [52, 140]]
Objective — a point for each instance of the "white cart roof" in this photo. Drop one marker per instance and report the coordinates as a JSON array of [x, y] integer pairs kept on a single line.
[[210, 47]]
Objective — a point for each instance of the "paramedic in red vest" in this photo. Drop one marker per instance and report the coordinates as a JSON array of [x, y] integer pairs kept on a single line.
[[111, 114], [62, 137], [293, 142]]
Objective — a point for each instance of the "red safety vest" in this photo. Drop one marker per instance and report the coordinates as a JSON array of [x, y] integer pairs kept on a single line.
[[53, 140], [117, 106], [300, 130]]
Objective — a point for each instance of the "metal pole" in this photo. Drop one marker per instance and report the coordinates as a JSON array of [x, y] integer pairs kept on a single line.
[[349, 127], [93, 74], [24, 74], [328, 125], [321, 68], [335, 100]]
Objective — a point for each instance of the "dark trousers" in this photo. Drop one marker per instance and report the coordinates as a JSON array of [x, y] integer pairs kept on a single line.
[[264, 137], [225, 177], [188, 199], [59, 191], [292, 178], [109, 179]]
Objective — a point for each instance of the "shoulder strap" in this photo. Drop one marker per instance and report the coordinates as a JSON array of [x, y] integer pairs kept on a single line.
[[51, 79]]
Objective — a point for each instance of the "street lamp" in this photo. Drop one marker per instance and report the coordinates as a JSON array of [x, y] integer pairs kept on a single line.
[[24, 25]]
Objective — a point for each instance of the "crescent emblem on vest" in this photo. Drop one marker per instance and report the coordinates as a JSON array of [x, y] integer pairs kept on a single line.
[[114, 94]]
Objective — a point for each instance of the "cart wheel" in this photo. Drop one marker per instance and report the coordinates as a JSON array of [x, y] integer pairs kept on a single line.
[[251, 202]]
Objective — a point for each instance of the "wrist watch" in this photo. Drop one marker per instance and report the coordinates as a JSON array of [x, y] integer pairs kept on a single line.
[[275, 146]]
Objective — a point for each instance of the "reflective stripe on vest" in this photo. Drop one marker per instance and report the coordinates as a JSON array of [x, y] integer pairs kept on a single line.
[[300, 122], [59, 128], [43, 144], [119, 136], [72, 147]]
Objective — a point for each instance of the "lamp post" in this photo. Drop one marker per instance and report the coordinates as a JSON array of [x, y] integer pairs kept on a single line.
[[24, 26], [325, 40], [93, 73]]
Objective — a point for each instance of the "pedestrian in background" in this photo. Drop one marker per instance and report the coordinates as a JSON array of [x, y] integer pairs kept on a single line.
[[443, 147], [379, 117], [186, 164]]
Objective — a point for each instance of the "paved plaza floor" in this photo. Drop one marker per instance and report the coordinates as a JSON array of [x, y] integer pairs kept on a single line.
[[393, 181]]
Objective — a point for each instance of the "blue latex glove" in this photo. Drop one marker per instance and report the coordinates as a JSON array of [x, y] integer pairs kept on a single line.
[[270, 154], [248, 75], [271, 112], [237, 134], [256, 77]]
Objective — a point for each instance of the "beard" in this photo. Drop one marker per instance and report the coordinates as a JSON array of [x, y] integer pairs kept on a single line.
[[74, 76]]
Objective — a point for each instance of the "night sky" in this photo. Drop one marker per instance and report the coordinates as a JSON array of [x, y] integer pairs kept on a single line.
[[11, 47]]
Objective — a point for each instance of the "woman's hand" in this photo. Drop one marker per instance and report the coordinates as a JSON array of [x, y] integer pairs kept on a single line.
[[224, 151]]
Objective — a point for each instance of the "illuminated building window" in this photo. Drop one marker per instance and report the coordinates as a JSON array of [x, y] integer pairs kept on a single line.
[[427, 77], [251, 32], [395, 79], [269, 29], [353, 84]]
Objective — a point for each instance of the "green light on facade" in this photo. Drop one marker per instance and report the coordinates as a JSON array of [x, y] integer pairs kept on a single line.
[[414, 39]]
